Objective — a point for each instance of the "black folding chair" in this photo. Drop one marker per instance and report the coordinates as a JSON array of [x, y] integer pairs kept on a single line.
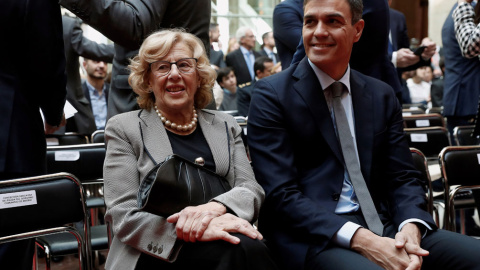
[[69, 138], [429, 140], [464, 135], [45, 205], [461, 172], [424, 120], [98, 136]]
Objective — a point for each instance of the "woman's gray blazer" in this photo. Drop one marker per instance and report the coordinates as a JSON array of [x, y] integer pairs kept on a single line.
[[126, 164]]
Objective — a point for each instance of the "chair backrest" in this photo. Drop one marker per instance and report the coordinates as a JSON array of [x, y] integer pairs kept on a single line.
[[69, 138], [460, 166], [37, 206], [410, 112], [98, 136], [429, 140], [35, 203], [420, 163], [464, 135], [85, 161], [438, 110], [424, 120], [414, 106]]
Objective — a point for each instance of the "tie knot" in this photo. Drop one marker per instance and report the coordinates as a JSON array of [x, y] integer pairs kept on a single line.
[[337, 89]]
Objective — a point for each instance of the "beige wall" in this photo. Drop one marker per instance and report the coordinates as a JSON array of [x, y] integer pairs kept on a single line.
[[437, 13]]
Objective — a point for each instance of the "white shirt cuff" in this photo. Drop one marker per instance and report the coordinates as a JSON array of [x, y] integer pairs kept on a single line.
[[394, 59], [343, 236], [416, 220]]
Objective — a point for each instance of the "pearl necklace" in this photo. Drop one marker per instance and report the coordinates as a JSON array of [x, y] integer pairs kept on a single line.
[[172, 125]]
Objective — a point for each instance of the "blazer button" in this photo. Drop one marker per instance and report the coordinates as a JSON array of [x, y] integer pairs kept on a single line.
[[149, 247], [160, 249], [335, 196], [154, 249]]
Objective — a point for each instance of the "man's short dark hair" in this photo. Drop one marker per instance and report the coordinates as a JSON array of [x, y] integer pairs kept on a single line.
[[260, 63], [213, 26], [356, 7], [222, 73]]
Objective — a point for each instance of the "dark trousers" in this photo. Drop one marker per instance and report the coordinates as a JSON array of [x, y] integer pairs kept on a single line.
[[216, 255], [448, 251], [16, 255]]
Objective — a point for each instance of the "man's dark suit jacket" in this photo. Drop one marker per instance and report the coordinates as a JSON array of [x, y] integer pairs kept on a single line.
[[244, 96], [264, 53], [128, 23], [32, 77], [398, 28], [91, 120], [461, 89], [287, 29], [216, 58], [236, 60], [77, 45], [298, 160]]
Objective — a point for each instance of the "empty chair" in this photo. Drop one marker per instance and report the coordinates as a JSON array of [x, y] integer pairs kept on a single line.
[[414, 106], [44, 205], [438, 110], [98, 136], [424, 120], [461, 172], [69, 138], [464, 135], [430, 140], [409, 112]]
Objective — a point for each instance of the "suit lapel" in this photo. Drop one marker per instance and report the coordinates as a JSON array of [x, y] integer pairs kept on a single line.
[[155, 136], [362, 99], [308, 87], [216, 135]]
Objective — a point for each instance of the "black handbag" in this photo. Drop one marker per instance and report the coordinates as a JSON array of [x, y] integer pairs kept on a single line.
[[177, 183]]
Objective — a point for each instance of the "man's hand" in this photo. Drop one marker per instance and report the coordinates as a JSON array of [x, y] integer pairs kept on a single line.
[[192, 222], [381, 250], [221, 227], [430, 49], [51, 129], [405, 58], [409, 239]]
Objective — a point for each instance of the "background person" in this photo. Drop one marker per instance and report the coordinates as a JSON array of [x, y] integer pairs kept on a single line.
[[32, 77], [173, 78], [96, 89]]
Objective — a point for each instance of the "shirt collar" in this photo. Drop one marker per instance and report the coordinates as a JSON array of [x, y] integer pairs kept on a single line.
[[244, 50], [326, 81], [92, 89]]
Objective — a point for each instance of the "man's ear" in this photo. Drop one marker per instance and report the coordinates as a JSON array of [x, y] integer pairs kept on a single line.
[[359, 29]]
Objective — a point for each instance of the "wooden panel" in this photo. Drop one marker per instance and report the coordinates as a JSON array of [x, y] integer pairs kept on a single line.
[[416, 14]]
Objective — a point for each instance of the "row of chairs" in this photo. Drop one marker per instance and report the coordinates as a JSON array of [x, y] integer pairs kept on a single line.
[[460, 169], [72, 138]]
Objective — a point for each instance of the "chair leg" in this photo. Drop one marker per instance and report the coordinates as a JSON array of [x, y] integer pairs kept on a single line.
[[462, 221]]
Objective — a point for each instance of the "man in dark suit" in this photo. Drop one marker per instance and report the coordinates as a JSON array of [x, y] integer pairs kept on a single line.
[[32, 77], [263, 68], [77, 45], [399, 52], [216, 57], [311, 217], [287, 29], [95, 90], [243, 58], [268, 46], [128, 23], [461, 89], [370, 53]]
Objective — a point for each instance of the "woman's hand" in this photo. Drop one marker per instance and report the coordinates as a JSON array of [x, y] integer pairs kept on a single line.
[[221, 227], [192, 221]]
